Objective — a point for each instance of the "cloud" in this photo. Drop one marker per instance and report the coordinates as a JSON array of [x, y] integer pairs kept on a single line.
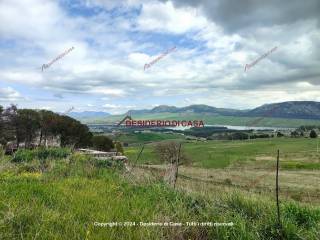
[[166, 18], [117, 108], [114, 39], [236, 15], [9, 94]]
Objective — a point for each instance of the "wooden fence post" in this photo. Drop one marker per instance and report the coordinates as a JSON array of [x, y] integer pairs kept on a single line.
[[138, 155], [277, 195], [177, 167]]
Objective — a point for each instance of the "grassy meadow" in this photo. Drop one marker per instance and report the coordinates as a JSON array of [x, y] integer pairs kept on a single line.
[[221, 154], [140, 138], [59, 194], [247, 166]]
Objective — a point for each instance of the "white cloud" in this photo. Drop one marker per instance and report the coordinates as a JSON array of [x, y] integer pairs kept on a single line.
[[164, 17], [9, 94], [112, 48]]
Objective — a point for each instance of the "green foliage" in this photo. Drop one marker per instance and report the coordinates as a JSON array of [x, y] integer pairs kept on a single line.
[[279, 134], [26, 155], [313, 134], [301, 216], [102, 143], [27, 125], [239, 136], [53, 153], [73, 133]]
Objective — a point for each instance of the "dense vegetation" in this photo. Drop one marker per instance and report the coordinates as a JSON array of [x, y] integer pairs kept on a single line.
[[30, 128], [36, 127]]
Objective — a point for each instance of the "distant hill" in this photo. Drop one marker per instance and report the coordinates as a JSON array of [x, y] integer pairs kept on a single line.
[[201, 108], [292, 109], [285, 114], [88, 114]]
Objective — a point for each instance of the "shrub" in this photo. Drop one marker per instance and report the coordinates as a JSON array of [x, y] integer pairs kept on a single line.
[[59, 153], [23, 155], [279, 134], [238, 136], [26, 155], [102, 143], [313, 134]]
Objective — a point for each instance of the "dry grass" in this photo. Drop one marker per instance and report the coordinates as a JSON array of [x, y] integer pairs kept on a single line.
[[300, 185]]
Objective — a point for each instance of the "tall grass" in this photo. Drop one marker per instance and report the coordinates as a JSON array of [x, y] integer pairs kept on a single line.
[[65, 202]]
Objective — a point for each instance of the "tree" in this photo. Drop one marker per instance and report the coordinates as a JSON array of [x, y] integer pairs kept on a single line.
[[313, 134], [2, 139], [170, 152], [239, 136], [48, 125], [295, 133], [72, 132], [8, 123], [102, 143], [28, 123], [279, 134], [167, 151]]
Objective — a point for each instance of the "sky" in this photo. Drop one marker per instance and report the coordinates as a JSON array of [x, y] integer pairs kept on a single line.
[[114, 39]]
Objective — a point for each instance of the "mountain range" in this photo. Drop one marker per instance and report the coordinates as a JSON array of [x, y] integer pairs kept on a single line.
[[284, 114], [291, 109]]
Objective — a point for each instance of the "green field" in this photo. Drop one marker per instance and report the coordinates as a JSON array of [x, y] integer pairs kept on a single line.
[[220, 154], [146, 137], [63, 198], [211, 119]]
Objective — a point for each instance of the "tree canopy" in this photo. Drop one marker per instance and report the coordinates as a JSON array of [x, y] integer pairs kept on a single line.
[[34, 127]]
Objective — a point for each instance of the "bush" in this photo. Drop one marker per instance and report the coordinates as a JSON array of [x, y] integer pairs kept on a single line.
[[239, 136], [279, 134], [313, 134], [23, 155], [26, 155], [59, 153], [102, 143]]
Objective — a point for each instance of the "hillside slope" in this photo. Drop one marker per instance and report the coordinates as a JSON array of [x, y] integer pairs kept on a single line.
[[294, 109], [76, 198]]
